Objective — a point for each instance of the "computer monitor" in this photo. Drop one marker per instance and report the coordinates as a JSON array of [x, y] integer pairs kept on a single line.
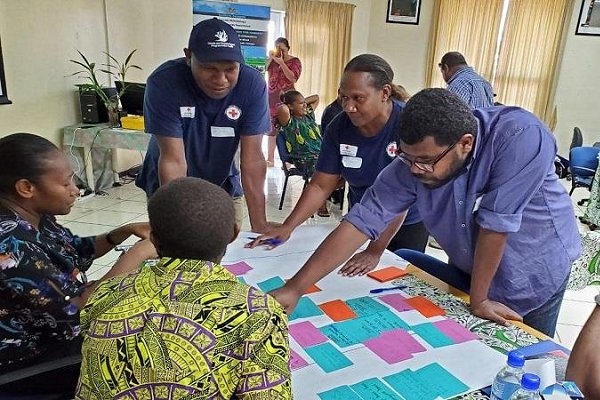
[[132, 100]]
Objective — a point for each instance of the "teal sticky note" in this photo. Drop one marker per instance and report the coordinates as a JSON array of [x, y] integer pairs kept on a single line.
[[443, 381], [410, 386], [271, 284], [305, 308], [241, 279], [364, 306], [340, 336], [350, 332], [432, 335], [387, 321], [339, 393], [374, 389], [328, 357]]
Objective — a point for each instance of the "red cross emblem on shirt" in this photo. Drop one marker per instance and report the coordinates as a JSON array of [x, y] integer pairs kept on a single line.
[[233, 112], [392, 149]]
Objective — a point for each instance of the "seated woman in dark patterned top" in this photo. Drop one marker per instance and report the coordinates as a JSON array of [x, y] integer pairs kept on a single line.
[[40, 293]]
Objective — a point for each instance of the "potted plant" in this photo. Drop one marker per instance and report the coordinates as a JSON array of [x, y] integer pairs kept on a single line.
[[115, 70]]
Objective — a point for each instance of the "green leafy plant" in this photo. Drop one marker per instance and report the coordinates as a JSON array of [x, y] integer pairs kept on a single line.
[[113, 68]]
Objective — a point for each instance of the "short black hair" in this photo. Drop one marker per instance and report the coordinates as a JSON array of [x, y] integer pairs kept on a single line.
[[191, 218], [290, 96], [437, 113], [453, 58], [282, 40], [23, 156]]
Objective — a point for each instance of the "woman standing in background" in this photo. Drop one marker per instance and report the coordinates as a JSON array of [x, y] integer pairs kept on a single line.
[[284, 71]]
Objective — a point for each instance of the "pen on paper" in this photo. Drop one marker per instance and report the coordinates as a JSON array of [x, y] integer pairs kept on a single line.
[[380, 290]]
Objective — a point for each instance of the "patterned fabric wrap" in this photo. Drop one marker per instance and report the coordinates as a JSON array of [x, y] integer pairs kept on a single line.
[[34, 316], [183, 329], [586, 269]]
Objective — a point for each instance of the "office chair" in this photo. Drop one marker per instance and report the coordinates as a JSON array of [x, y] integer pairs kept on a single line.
[[293, 171], [577, 139], [583, 162]]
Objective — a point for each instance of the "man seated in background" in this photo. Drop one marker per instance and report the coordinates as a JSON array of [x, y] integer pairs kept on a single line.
[[463, 81], [185, 328]]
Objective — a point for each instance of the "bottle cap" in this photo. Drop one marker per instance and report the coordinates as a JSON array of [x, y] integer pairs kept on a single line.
[[516, 359], [530, 381]]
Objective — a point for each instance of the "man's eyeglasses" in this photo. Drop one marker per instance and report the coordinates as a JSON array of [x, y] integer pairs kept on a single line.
[[425, 166]]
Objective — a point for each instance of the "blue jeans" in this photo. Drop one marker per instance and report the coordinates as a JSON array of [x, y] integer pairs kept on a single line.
[[544, 318]]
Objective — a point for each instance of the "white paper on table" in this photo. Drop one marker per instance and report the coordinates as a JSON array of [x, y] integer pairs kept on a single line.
[[472, 362], [544, 368]]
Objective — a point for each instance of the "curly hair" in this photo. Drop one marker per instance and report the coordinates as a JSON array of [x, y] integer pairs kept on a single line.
[[191, 218], [437, 113]]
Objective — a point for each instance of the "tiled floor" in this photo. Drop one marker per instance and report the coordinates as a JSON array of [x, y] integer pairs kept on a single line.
[[128, 204]]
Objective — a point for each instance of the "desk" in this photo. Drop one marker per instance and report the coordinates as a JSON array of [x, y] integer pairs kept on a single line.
[[102, 136], [285, 260]]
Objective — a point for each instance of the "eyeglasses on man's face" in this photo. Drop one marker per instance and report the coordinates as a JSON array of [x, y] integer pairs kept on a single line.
[[425, 166]]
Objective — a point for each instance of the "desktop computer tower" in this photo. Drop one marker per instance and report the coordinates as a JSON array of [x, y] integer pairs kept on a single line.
[[93, 110]]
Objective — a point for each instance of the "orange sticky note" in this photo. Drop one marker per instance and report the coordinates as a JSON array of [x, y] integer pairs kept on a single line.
[[337, 310], [425, 307], [312, 289], [387, 274]]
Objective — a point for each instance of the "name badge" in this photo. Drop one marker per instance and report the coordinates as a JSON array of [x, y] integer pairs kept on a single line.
[[348, 150], [222, 131], [187, 112], [352, 162]]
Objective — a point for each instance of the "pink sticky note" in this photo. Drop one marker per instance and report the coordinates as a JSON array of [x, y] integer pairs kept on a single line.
[[404, 339], [387, 350], [296, 362], [455, 331], [396, 301], [239, 268], [306, 334]]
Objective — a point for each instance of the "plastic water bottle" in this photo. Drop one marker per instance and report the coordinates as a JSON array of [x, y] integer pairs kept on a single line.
[[508, 380], [530, 385]]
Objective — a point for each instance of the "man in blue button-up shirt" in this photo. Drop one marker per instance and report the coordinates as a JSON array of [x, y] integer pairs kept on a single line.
[[485, 186], [463, 81]]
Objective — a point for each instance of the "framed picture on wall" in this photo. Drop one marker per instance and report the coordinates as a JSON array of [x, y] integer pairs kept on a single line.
[[588, 22], [3, 96], [403, 11]]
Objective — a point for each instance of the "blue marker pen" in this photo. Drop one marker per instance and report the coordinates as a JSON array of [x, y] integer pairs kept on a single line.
[[379, 290]]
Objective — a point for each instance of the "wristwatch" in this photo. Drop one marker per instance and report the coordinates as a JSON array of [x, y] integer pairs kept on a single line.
[[597, 298]]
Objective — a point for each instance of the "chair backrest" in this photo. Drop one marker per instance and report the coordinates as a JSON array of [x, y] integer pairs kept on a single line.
[[281, 148], [583, 161], [577, 140]]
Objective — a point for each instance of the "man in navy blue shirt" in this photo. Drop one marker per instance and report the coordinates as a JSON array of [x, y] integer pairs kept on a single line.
[[198, 110]]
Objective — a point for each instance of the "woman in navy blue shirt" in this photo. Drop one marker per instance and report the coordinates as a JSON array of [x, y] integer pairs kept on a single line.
[[357, 145]]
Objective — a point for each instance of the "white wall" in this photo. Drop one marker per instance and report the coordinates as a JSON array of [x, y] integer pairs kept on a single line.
[[404, 46], [578, 87], [39, 37]]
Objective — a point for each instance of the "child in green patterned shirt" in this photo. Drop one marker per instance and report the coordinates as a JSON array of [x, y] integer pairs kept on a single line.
[[295, 119]]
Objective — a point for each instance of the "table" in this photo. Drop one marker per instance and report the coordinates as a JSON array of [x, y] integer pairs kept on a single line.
[[287, 259], [102, 136]]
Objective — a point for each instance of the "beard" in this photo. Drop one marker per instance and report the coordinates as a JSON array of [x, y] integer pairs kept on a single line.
[[455, 169]]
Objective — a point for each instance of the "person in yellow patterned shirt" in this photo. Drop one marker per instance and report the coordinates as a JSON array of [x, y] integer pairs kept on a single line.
[[185, 328]]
